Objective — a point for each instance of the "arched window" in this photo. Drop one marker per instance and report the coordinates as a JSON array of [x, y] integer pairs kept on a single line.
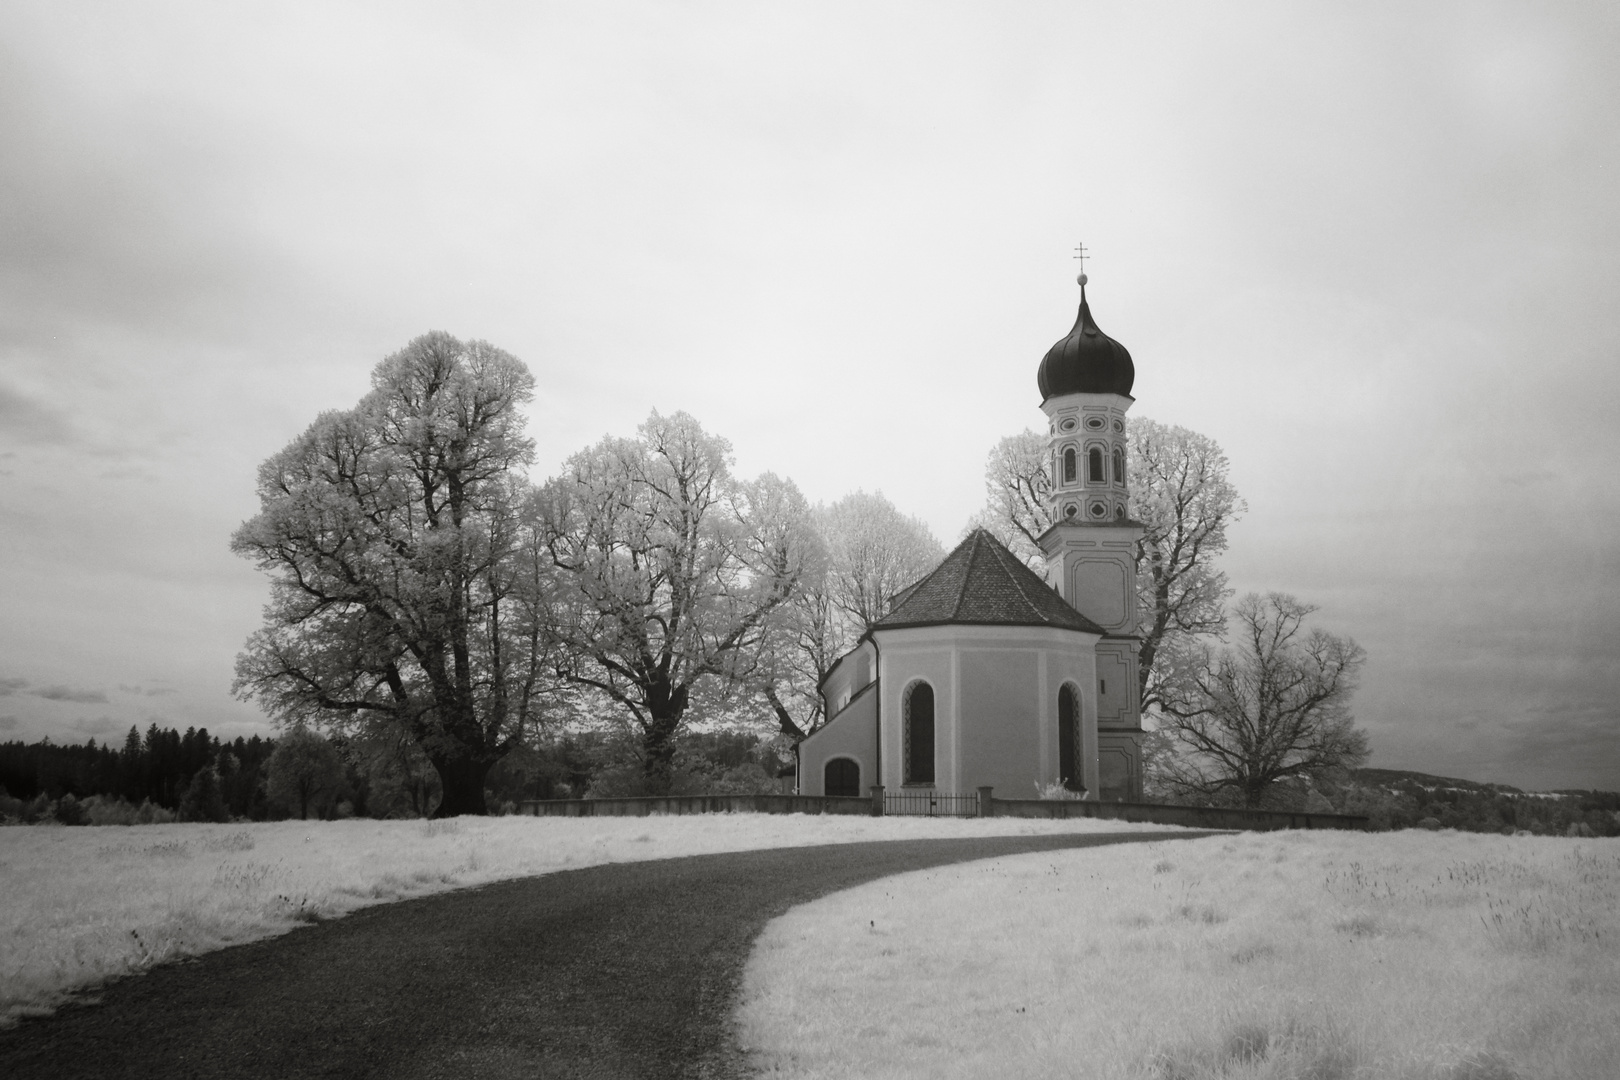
[[842, 776], [919, 732], [1069, 738], [1069, 468], [1119, 465], [1094, 465]]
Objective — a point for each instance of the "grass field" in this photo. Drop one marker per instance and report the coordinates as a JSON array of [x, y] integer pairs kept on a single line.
[[1320, 956], [81, 905]]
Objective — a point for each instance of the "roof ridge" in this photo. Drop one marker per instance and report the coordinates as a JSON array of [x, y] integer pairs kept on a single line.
[[1012, 572], [967, 574]]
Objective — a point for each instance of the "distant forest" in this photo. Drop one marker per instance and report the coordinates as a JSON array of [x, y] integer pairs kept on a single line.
[[164, 775]]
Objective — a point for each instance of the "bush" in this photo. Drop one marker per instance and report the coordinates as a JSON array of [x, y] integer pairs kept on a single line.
[[152, 814], [1056, 792], [109, 810], [203, 799], [11, 809], [69, 811]]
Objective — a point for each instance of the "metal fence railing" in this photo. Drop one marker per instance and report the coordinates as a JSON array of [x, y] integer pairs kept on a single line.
[[929, 803]]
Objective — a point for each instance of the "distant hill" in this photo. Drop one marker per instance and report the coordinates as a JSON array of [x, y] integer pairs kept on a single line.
[[1405, 779], [1398, 778]]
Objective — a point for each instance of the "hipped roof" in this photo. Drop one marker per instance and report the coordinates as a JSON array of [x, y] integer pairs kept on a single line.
[[982, 583]]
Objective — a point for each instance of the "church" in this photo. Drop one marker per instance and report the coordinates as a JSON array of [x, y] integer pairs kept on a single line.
[[986, 673]]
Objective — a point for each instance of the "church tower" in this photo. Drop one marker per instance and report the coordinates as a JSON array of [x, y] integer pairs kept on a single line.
[[1085, 382]]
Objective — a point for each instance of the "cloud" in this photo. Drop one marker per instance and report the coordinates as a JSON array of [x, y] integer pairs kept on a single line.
[[156, 691], [29, 421], [81, 697], [102, 725], [8, 723], [11, 686]]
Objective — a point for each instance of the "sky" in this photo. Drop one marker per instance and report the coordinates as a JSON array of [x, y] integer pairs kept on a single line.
[[1369, 248]]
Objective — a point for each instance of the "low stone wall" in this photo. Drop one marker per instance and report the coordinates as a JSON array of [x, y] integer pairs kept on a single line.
[[1199, 817], [698, 804]]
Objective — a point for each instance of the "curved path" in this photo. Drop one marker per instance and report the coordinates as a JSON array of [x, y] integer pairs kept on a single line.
[[624, 970]]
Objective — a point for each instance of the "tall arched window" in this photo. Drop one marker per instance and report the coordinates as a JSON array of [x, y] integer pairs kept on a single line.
[[1094, 465], [842, 776], [1069, 468], [1069, 738], [1119, 465], [919, 733]]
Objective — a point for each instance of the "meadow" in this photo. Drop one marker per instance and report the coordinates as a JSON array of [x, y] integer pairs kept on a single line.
[[1313, 955], [82, 905]]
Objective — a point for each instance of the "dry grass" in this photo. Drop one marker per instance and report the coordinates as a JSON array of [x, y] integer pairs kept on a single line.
[[1320, 956], [81, 905]]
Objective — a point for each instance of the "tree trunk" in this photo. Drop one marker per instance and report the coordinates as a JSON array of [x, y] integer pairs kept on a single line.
[[461, 779], [665, 707], [658, 760]]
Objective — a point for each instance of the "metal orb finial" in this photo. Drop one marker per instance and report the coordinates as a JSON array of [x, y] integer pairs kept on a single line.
[[1081, 280]]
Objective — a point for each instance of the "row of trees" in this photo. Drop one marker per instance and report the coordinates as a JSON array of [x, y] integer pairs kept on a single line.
[[426, 598], [424, 594], [157, 767]]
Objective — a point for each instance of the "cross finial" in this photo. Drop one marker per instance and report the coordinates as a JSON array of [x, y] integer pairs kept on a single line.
[[1080, 253]]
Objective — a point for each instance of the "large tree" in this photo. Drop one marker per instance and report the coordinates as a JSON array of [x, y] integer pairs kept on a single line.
[[405, 593], [872, 552], [669, 571], [1179, 492], [1273, 706]]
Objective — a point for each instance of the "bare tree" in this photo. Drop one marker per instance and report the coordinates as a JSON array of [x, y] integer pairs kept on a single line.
[[668, 571], [872, 552], [400, 594], [1017, 482], [1182, 497], [1273, 706]]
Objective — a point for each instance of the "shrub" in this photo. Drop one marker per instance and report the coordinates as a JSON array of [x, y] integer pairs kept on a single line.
[[1056, 792], [152, 814], [69, 811], [203, 800], [109, 810]]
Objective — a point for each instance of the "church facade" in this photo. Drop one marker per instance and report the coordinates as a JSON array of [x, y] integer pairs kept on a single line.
[[987, 673]]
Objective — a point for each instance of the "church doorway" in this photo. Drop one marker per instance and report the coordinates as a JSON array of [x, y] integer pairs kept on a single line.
[[842, 776]]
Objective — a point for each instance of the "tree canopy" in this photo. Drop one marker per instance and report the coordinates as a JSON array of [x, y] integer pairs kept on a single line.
[[1179, 493], [667, 572], [401, 596], [1274, 705], [871, 552]]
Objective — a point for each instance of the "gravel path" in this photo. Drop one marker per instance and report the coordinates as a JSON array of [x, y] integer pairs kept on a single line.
[[625, 970]]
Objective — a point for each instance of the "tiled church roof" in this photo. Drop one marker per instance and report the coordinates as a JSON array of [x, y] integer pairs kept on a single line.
[[981, 582]]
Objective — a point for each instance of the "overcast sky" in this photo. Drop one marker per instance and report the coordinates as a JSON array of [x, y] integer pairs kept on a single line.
[[1371, 249]]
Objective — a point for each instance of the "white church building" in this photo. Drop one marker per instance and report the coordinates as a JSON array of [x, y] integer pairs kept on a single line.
[[985, 674]]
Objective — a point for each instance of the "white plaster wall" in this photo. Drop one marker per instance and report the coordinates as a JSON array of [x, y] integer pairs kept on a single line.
[[852, 734], [995, 702]]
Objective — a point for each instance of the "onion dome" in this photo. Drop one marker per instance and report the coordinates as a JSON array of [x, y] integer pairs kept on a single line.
[[1088, 361]]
